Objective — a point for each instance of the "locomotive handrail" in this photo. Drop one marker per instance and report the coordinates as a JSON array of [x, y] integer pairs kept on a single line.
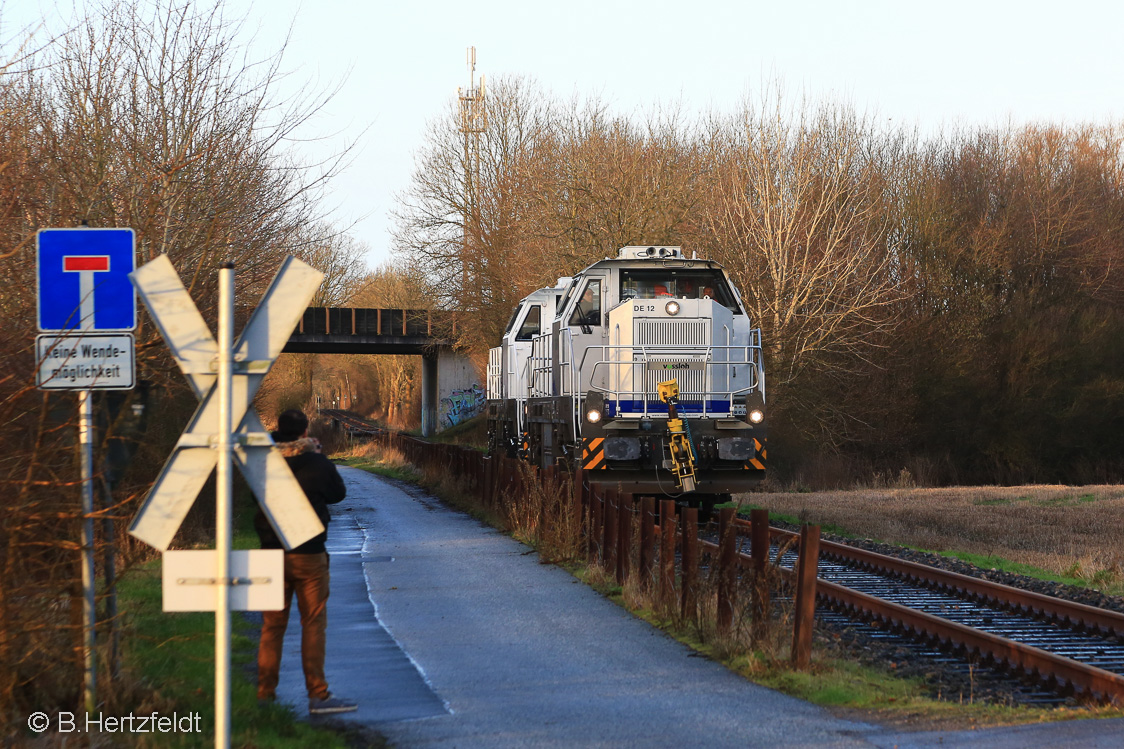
[[537, 371], [704, 356]]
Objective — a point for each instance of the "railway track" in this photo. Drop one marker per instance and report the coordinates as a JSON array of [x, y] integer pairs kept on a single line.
[[1069, 648], [352, 423], [1065, 647]]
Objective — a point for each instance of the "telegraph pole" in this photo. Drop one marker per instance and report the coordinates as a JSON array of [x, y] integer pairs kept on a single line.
[[473, 122]]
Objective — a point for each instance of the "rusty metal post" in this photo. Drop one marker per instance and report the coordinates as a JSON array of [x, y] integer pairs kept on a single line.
[[759, 552], [503, 481], [647, 540], [759, 540], [667, 553], [546, 485], [486, 487], [596, 521], [689, 518], [577, 503], [624, 535], [496, 472], [609, 542], [727, 568], [510, 477], [804, 616]]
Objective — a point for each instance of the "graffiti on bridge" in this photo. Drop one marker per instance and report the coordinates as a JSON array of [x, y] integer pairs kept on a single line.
[[461, 405]]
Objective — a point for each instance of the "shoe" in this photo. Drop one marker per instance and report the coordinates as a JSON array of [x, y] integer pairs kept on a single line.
[[330, 704]]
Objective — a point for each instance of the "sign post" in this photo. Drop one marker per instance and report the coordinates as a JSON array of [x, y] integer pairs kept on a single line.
[[83, 290], [224, 511], [224, 431]]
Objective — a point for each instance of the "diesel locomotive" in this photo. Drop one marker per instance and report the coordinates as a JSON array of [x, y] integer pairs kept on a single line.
[[643, 369]]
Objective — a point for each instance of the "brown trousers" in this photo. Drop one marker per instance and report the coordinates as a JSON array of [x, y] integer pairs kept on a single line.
[[307, 576]]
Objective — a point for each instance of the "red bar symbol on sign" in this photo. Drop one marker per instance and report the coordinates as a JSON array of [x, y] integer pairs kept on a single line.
[[97, 263]]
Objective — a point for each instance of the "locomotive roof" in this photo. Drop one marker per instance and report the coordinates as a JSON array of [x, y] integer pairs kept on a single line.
[[653, 257]]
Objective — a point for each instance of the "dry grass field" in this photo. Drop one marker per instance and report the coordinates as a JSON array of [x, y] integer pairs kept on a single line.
[[1069, 531]]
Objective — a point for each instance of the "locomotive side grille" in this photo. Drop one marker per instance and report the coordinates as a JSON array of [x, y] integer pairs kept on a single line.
[[495, 372], [673, 333]]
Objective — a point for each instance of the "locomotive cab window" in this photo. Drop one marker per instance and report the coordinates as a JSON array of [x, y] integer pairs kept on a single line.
[[678, 284], [587, 310], [511, 322], [532, 324]]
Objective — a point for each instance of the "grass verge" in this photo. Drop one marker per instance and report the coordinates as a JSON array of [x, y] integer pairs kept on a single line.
[[389, 469], [168, 663], [171, 656], [984, 561], [1059, 533]]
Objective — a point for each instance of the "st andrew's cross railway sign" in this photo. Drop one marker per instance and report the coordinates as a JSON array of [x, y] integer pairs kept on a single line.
[[83, 277], [196, 352]]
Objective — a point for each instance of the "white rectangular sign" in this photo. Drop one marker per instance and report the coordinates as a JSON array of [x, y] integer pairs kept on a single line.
[[189, 580], [85, 362]]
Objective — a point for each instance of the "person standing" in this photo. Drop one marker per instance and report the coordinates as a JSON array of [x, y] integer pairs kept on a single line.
[[306, 571]]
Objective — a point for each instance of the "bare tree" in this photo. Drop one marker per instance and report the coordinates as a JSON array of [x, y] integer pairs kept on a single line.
[[796, 215], [147, 116]]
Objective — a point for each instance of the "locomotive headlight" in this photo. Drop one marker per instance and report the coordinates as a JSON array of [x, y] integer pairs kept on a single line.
[[672, 308], [594, 407], [756, 416]]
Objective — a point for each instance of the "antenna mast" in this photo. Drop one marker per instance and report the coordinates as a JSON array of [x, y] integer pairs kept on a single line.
[[473, 122]]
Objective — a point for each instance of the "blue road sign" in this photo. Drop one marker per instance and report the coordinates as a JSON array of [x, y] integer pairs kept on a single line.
[[84, 280]]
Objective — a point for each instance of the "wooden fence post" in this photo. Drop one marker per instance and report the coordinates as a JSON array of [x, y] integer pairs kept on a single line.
[[727, 568], [668, 534], [689, 518], [804, 616]]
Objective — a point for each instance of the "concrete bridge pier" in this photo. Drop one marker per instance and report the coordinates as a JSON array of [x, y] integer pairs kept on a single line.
[[429, 397]]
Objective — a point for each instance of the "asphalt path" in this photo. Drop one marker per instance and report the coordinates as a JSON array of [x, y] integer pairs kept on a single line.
[[450, 634]]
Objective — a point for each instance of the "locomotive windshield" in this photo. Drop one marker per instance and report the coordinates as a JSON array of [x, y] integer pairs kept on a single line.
[[532, 324], [678, 284]]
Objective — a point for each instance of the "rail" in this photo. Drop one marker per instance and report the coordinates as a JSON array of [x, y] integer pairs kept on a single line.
[[1062, 672]]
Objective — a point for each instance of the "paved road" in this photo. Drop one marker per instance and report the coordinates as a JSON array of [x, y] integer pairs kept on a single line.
[[450, 634]]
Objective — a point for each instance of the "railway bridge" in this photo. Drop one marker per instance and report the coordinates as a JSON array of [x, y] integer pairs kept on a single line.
[[451, 386]]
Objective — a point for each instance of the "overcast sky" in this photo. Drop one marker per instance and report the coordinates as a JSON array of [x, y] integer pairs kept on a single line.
[[926, 64]]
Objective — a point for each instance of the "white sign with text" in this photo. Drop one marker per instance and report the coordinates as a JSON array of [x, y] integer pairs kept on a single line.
[[85, 362]]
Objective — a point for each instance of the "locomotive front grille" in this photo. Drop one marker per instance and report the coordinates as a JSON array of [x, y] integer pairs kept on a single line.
[[692, 384], [672, 333], [671, 342]]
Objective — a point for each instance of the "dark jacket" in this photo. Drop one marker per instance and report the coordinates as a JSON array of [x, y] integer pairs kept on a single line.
[[322, 485]]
